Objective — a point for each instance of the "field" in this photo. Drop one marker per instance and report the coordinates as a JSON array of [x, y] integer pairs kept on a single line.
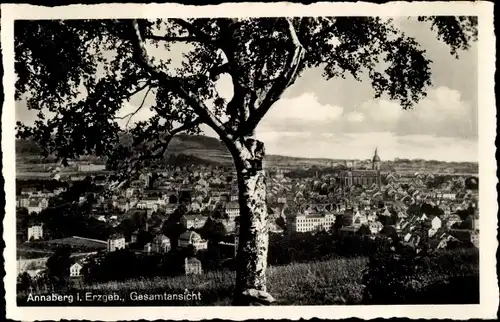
[[39, 249], [337, 281], [75, 242]]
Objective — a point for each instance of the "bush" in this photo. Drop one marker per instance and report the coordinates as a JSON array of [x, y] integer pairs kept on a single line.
[[410, 277]]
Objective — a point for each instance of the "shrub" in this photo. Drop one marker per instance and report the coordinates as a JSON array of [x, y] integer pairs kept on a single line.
[[407, 276]]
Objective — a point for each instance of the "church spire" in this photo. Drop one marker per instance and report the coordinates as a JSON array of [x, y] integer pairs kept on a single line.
[[376, 160]]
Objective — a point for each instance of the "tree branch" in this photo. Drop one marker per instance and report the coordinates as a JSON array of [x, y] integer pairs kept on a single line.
[[287, 78], [176, 84], [130, 115], [194, 31], [173, 38], [140, 88], [152, 152]]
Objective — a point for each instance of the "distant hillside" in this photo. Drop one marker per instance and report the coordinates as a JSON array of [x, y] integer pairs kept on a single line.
[[200, 149]]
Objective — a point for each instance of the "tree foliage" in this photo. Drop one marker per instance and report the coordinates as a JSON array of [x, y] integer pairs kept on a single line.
[[84, 70]]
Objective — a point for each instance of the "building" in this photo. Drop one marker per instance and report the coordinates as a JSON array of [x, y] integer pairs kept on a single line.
[[75, 270], [474, 238], [233, 209], [193, 221], [436, 223], [365, 177], [35, 232], [116, 242], [170, 208], [309, 222], [192, 266], [375, 227], [192, 238], [23, 201], [133, 237], [148, 248], [161, 244], [37, 205], [91, 167], [452, 220]]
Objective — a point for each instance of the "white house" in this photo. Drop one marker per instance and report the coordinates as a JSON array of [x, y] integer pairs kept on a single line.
[[35, 232], [233, 209], [375, 227], [75, 270], [116, 242], [192, 238], [436, 223]]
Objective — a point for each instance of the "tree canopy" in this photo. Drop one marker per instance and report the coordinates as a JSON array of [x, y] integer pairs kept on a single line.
[[84, 70]]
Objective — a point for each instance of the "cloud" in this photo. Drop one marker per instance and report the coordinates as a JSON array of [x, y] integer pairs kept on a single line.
[[355, 116], [305, 107], [443, 113], [303, 113], [382, 110]]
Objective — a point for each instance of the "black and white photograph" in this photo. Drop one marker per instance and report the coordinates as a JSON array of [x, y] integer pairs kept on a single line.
[[288, 158]]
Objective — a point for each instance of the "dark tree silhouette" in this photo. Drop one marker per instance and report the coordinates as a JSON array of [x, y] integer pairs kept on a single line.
[[58, 265], [364, 230], [56, 60]]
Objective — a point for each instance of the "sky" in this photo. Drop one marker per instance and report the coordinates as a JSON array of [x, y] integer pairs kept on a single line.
[[340, 119]]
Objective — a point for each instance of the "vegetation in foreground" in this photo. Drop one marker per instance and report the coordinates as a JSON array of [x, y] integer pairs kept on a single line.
[[450, 277]]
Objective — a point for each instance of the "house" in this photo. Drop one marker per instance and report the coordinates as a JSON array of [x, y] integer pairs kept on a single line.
[[193, 221], [407, 237], [192, 238], [375, 227], [170, 208], [148, 248], [23, 201], [123, 205], [149, 203], [35, 232], [161, 244], [192, 266], [232, 209], [195, 206], [75, 270], [37, 205], [474, 238], [116, 242], [309, 222], [133, 237], [436, 223], [359, 220], [129, 192]]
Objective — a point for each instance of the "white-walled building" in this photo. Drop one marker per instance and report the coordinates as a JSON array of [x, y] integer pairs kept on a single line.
[[75, 270], [192, 238], [309, 222], [35, 232], [116, 242]]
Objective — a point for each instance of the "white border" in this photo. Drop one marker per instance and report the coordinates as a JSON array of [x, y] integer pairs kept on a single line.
[[487, 165]]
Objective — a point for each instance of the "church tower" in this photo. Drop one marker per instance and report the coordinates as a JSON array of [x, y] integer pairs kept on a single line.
[[376, 166], [376, 161]]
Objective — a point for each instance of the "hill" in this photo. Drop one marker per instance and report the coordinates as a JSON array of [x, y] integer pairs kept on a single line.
[[200, 149]]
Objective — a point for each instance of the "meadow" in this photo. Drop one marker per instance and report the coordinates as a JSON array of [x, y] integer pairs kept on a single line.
[[336, 281]]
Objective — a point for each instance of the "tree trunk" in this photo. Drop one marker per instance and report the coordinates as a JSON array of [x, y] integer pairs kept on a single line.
[[251, 256]]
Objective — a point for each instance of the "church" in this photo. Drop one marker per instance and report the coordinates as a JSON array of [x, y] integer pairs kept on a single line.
[[363, 177]]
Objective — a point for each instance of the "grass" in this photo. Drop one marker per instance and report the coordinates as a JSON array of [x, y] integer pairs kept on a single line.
[[336, 281], [298, 284]]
